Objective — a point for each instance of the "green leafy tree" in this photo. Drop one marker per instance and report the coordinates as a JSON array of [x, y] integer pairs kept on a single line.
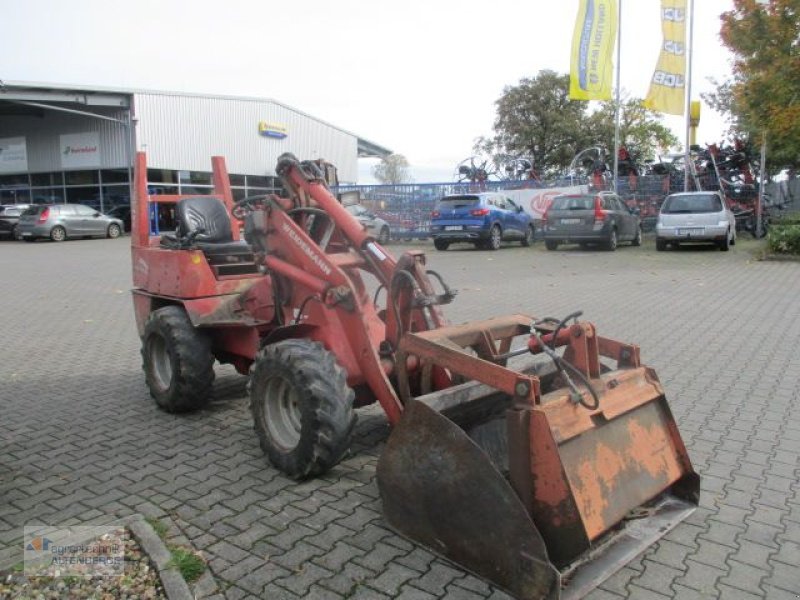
[[764, 93], [537, 119], [640, 129], [392, 169]]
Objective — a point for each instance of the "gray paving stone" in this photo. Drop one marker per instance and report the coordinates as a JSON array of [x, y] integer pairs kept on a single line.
[[734, 394]]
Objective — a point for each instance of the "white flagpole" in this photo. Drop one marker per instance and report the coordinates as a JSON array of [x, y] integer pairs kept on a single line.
[[690, 48], [617, 111]]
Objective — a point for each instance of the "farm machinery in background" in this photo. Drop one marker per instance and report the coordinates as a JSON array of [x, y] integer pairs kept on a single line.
[[531, 451]]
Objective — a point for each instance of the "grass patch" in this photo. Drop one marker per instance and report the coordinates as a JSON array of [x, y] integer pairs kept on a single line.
[[158, 527], [190, 566]]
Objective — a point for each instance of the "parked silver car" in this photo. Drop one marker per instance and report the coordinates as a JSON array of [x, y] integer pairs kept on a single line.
[[692, 217], [61, 221], [376, 227]]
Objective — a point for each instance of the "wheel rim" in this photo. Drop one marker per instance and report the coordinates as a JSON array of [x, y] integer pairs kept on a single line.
[[58, 234], [384, 236], [282, 416], [638, 237], [529, 235], [612, 242], [160, 362], [113, 231]]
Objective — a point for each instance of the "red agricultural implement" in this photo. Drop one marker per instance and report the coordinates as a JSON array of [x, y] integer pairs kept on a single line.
[[543, 477]]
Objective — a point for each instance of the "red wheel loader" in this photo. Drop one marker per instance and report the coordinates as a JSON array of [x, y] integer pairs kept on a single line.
[[543, 477]]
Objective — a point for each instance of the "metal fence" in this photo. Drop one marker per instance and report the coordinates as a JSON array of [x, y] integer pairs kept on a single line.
[[407, 207]]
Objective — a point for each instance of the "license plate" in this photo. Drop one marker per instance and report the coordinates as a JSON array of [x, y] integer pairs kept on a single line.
[[691, 231], [570, 221], [453, 227]]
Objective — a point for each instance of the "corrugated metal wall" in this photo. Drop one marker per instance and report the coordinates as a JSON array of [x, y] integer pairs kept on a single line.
[[185, 131], [42, 135]]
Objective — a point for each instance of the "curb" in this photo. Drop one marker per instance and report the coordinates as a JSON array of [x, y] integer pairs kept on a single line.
[[174, 585]]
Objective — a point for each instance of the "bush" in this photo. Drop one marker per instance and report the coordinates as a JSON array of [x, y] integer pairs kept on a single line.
[[784, 236]]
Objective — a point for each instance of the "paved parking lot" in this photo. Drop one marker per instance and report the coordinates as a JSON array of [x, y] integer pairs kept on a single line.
[[83, 442]]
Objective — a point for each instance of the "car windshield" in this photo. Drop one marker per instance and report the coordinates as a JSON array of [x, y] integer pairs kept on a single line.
[[695, 203], [453, 202], [573, 203]]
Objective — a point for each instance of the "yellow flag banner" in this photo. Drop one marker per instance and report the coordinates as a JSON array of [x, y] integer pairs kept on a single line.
[[668, 87], [591, 67]]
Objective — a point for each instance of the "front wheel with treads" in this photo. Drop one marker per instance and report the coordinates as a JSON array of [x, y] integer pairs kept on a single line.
[[177, 360], [302, 407]]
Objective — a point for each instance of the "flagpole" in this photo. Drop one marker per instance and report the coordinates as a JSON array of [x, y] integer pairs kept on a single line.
[[617, 111], [687, 155]]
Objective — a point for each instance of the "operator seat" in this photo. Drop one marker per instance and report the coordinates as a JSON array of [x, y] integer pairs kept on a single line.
[[204, 224]]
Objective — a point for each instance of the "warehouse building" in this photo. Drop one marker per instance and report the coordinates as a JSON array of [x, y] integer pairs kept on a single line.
[[76, 145]]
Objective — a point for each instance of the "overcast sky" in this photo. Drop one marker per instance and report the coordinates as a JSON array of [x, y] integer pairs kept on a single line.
[[419, 77]]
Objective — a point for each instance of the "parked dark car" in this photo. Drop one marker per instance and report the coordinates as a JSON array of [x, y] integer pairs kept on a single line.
[[591, 219], [9, 217], [60, 221], [123, 213], [484, 219]]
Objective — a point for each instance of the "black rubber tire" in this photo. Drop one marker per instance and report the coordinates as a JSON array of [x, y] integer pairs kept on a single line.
[[612, 241], [323, 405], [495, 238], [58, 233], [637, 239], [527, 241], [725, 244], [551, 244], [191, 373], [661, 245], [441, 244], [30, 240], [114, 231], [383, 236]]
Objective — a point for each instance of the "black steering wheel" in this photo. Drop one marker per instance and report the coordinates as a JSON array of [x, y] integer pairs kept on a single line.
[[246, 205]]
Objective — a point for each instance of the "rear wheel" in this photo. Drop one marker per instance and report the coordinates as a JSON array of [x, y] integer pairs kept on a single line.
[[637, 240], [302, 407], [495, 238], [441, 244], [528, 239], [551, 244], [113, 231], [725, 244], [611, 242], [177, 361], [661, 245], [383, 236], [58, 234]]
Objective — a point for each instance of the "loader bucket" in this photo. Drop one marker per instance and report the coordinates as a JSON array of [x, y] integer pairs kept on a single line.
[[545, 497]]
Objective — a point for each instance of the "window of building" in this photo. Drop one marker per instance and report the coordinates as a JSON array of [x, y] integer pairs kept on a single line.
[[237, 180], [15, 196], [47, 179], [14, 180], [196, 189], [195, 177], [114, 175], [115, 195], [54, 195], [162, 176], [84, 195], [81, 177]]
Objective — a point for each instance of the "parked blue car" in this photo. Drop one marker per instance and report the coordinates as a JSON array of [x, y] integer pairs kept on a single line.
[[484, 219]]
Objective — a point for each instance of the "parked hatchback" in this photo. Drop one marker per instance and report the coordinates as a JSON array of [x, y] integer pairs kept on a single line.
[[591, 219], [486, 220], [692, 217], [9, 217], [61, 221]]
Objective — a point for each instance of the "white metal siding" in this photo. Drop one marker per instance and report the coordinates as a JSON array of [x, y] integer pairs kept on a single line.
[[42, 136], [183, 132]]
